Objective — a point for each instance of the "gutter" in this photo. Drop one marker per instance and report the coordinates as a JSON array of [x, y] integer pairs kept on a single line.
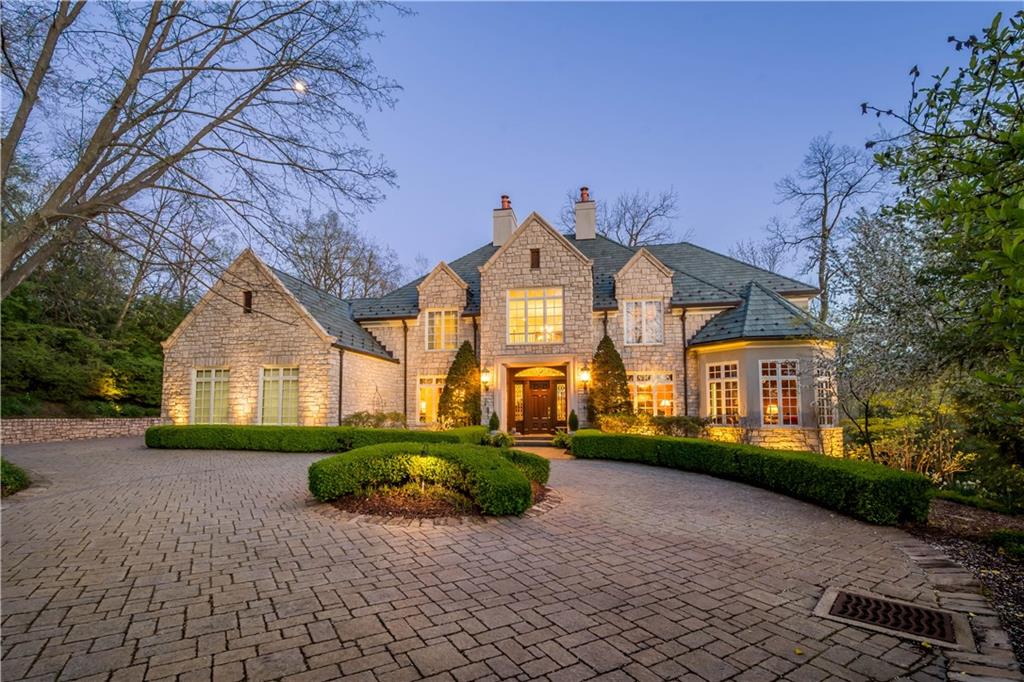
[[367, 353], [341, 383]]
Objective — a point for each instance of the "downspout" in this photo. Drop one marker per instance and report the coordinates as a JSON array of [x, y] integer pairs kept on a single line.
[[605, 323], [686, 371], [405, 369], [341, 383]]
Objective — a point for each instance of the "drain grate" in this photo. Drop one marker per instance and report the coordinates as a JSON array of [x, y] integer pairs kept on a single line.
[[907, 618]]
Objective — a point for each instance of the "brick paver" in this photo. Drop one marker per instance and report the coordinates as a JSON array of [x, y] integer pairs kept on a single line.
[[145, 565]]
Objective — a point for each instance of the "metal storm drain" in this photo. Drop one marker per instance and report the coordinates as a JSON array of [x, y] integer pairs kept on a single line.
[[903, 619]]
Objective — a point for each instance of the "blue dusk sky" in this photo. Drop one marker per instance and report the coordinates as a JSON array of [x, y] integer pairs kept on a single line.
[[717, 100]]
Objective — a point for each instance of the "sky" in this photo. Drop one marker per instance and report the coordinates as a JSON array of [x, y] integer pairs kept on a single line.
[[715, 100]]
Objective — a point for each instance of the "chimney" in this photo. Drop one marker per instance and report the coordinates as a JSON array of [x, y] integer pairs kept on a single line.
[[504, 221], [586, 215]]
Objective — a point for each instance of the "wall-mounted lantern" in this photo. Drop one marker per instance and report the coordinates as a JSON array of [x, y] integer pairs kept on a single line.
[[585, 376], [485, 377]]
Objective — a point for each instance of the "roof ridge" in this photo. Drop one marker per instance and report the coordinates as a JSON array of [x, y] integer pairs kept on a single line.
[[789, 305]]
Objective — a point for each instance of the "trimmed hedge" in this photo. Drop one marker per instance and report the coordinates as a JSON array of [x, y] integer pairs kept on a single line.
[[493, 479], [871, 492], [12, 478], [534, 467], [473, 435], [284, 438]]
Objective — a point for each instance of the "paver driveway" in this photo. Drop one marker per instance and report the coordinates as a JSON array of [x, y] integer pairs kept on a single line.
[[138, 564]]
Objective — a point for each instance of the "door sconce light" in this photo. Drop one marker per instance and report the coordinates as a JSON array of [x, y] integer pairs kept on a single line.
[[485, 377], [585, 376]]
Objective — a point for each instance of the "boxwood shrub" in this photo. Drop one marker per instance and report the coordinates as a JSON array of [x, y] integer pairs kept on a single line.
[[493, 479], [872, 492], [474, 435], [284, 438], [12, 478]]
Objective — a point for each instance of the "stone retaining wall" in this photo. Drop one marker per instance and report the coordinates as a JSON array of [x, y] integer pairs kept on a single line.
[[14, 431]]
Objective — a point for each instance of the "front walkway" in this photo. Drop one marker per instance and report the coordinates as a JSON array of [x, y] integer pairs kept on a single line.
[[155, 564]]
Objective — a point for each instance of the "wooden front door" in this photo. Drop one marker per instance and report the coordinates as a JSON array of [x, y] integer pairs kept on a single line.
[[540, 406]]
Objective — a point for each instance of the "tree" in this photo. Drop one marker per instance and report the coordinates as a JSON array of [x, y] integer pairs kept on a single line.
[[610, 391], [767, 254], [248, 105], [831, 182], [634, 218], [459, 404], [959, 160], [339, 259]]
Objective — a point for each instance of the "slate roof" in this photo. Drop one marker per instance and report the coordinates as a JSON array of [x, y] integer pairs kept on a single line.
[[702, 277], [762, 314], [334, 315]]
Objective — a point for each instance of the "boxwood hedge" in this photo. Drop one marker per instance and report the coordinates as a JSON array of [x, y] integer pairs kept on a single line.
[[867, 491], [492, 478], [284, 438]]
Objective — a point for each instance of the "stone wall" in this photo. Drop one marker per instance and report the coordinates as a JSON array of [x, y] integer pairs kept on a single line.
[[370, 384], [14, 431], [825, 440], [219, 334]]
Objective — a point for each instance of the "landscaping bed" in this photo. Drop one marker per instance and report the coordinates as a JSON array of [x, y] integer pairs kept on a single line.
[[494, 480], [411, 501], [12, 478], [870, 492]]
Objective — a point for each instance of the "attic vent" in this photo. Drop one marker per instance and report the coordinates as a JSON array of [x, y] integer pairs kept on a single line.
[[896, 617], [247, 302], [534, 258]]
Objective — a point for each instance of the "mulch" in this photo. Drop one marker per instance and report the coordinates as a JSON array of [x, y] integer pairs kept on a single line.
[[961, 531]]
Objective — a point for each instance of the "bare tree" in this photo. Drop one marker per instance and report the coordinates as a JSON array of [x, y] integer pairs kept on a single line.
[[247, 104], [832, 181], [634, 218], [767, 254], [339, 259]]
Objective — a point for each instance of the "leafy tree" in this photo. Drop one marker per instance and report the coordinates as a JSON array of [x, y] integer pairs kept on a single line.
[[609, 393], [459, 404], [959, 159]]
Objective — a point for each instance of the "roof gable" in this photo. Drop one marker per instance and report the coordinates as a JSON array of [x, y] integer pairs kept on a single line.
[[217, 291], [440, 270], [535, 219], [642, 254]]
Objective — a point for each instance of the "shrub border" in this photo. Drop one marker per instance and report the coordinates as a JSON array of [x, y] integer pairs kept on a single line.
[[284, 438]]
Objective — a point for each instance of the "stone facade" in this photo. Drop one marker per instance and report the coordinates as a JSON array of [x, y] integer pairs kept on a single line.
[[14, 431], [562, 266], [369, 384]]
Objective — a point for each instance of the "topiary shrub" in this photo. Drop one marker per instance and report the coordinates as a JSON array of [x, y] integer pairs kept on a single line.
[[574, 421], [864, 490], [459, 404], [283, 438], [494, 423], [498, 481], [610, 391]]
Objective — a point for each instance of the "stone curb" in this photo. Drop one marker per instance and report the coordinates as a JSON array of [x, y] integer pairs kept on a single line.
[[959, 591]]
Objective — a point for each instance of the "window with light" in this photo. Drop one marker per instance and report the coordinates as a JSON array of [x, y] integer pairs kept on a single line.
[[644, 324], [280, 388], [210, 388], [430, 388], [535, 315], [652, 393], [724, 393], [442, 329], [780, 393]]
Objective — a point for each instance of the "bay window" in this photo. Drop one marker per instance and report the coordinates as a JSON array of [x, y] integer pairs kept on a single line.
[[825, 399], [724, 393], [780, 393], [651, 392], [279, 387], [643, 323], [442, 329], [210, 396], [535, 315]]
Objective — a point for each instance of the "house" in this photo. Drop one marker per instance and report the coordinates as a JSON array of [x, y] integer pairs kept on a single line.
[[699, 333]]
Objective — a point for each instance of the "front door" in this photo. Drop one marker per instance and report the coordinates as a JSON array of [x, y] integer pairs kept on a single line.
[[539, 407]]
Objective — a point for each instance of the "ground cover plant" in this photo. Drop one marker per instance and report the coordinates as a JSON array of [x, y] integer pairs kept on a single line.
[[867, 491], [497, 481]]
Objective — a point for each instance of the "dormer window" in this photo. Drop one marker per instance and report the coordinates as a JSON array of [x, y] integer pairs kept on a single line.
[[643, 323], [534, 259]]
